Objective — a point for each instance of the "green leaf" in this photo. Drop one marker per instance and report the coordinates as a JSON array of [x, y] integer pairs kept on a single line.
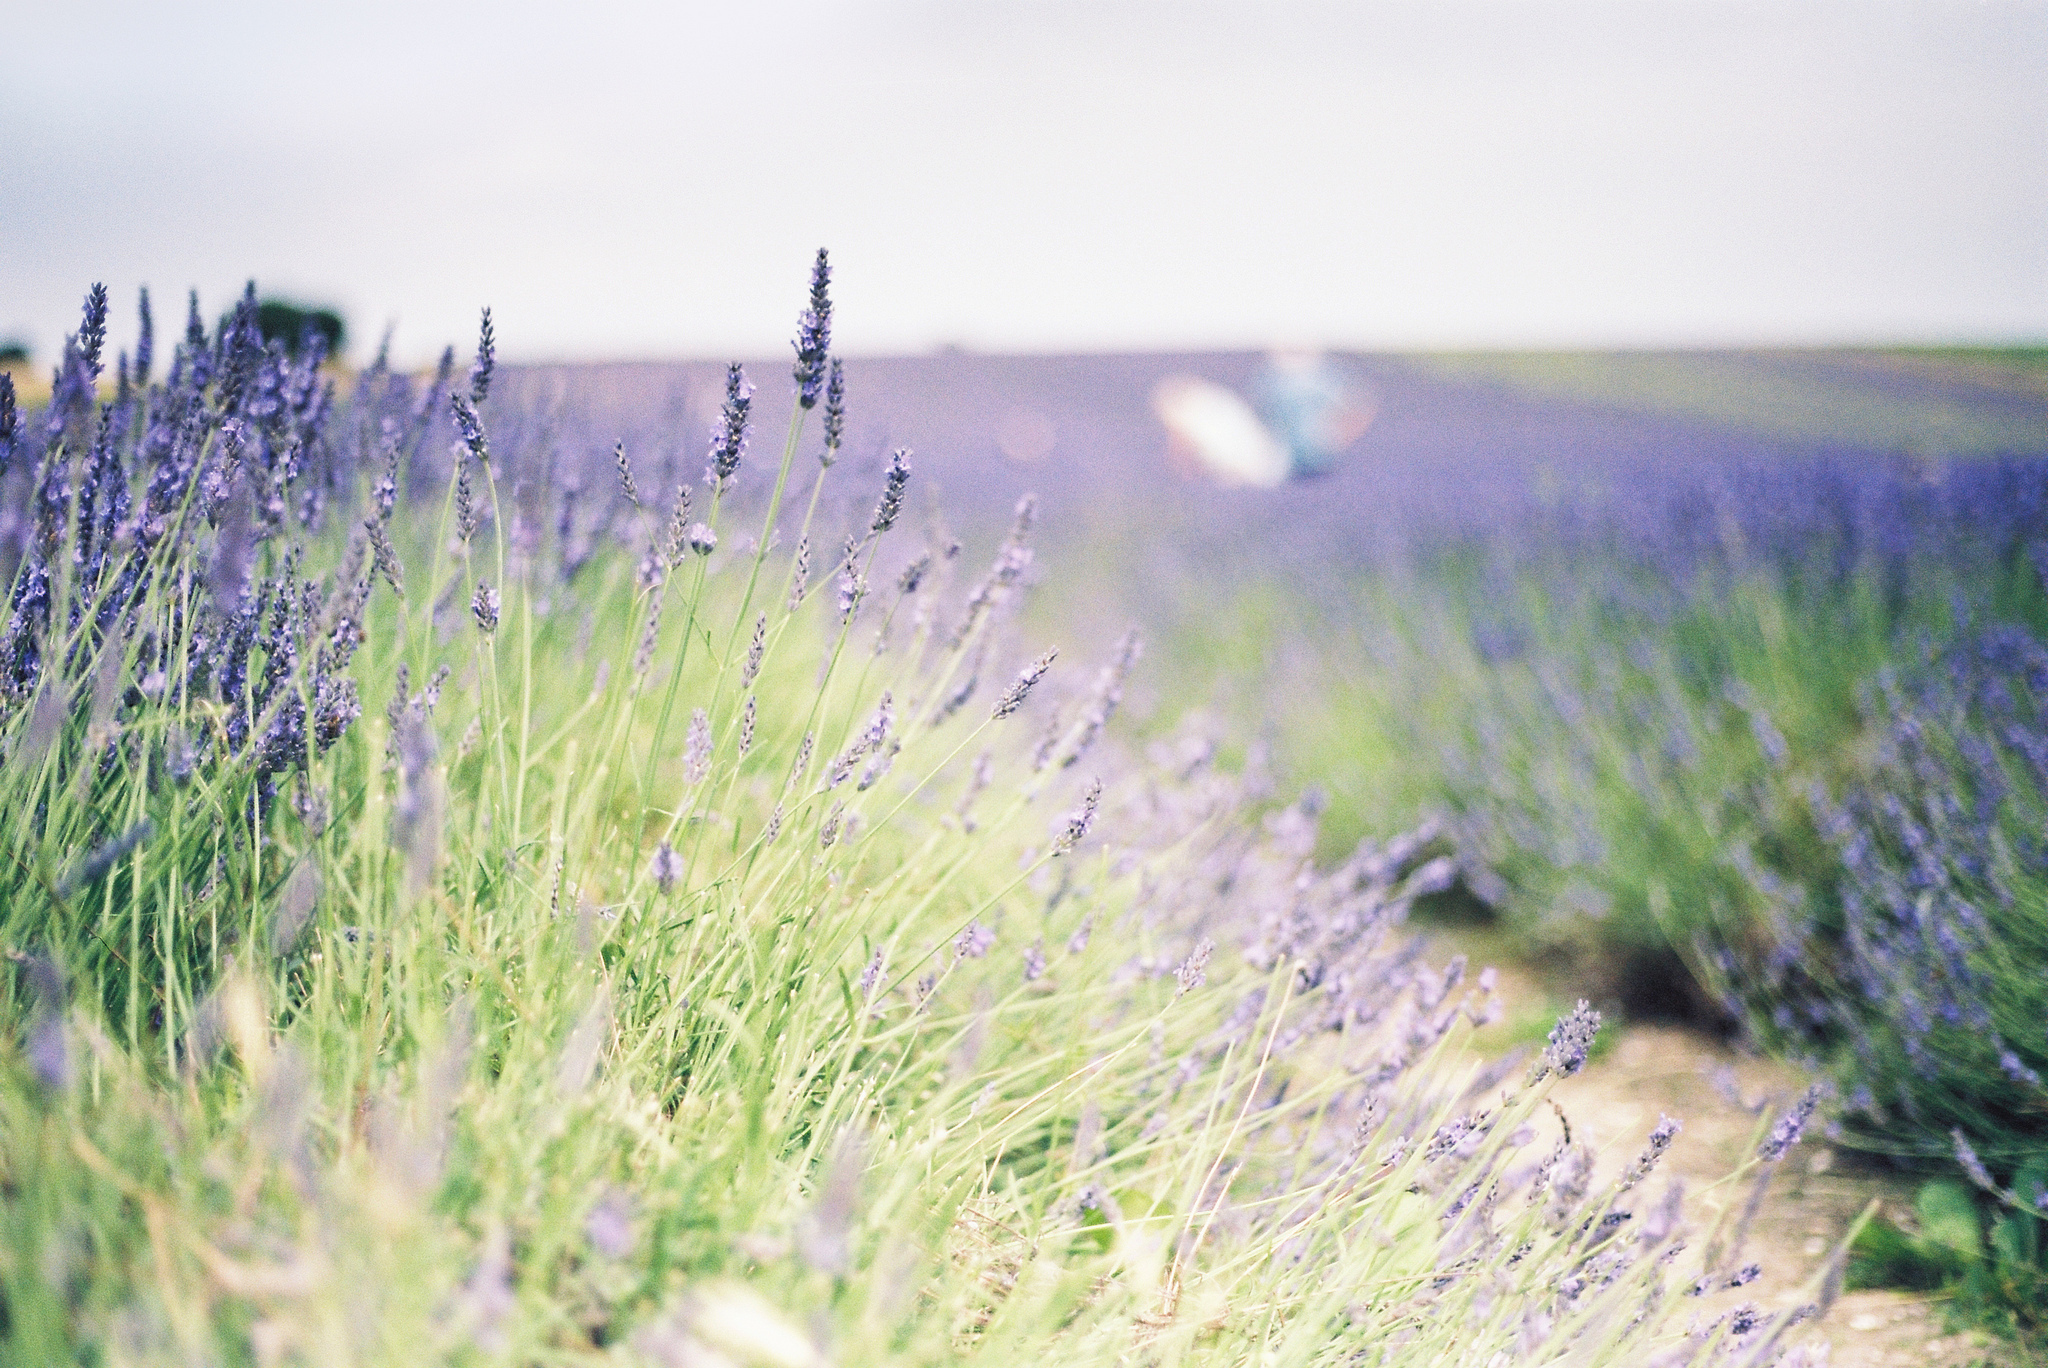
[[1947, 1211]]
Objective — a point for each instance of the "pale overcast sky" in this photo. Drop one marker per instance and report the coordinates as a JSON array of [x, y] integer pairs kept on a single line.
[[621, 179]]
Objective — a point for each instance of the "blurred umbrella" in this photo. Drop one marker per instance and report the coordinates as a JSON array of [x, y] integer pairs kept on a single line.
[[1213, 432]]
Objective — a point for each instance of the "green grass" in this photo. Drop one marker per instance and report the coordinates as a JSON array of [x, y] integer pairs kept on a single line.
[[1822, 396]]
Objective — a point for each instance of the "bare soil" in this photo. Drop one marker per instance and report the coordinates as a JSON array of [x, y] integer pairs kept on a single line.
[[1723, 1097]]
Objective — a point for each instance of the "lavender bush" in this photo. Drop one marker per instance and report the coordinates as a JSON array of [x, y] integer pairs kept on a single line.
[[1772, 754], [455, 914]]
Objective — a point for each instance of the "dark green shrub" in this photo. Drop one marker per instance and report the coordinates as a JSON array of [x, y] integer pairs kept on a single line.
[[282, 321]]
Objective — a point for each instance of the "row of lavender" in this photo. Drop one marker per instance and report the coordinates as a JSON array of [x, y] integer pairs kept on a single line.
[[1779, 744]]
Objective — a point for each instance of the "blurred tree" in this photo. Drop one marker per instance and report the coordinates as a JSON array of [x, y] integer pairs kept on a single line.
[[289, 323]]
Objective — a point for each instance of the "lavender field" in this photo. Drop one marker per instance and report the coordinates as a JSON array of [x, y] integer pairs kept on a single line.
[[1459, 442], [867, 861]]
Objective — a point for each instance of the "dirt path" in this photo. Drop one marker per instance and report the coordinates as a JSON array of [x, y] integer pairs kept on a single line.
[[1651, 1070], [1654, 1070]]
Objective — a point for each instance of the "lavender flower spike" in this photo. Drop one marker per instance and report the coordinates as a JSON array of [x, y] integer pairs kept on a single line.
[[814, 334], [9, 417], [1790, 1127], [1014, 696], [1570, 1041], [1079, 820], [697, 748], [486, 359], [625, 469], [1972, 1165], [891, 505], [667, 867], [484, 606], [974, 941], [729, 438], [145, 343], [92, 333], [835, 413]]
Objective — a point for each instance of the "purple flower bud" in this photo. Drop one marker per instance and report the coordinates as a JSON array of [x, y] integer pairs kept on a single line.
[[486, 359], [835, 413], [697, 748], [799, 573], [974, 942], [484, 607], [814, 334], [92, 332], [1014, 696], [625, 469], [1972, 1165], [891, 504], [755, 651], [729, 438], [1570, 1040], [1078, 821], [1789, 1128], [667, 867]]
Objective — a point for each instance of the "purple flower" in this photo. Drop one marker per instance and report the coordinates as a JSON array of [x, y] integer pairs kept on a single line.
[[667, 866], [891, 504], [1786, 1133], [697, 748], [799, 573], [974, 942], [1972, 1165], [9, 420], [484, 607], [471, 429], [835, 413], [92, 332], [1014, 696], [1660, 1141], [619, 461], [486, 359], [145, 344], [814, 334], [1079, 820], [729, 437], [1570, 1040]]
